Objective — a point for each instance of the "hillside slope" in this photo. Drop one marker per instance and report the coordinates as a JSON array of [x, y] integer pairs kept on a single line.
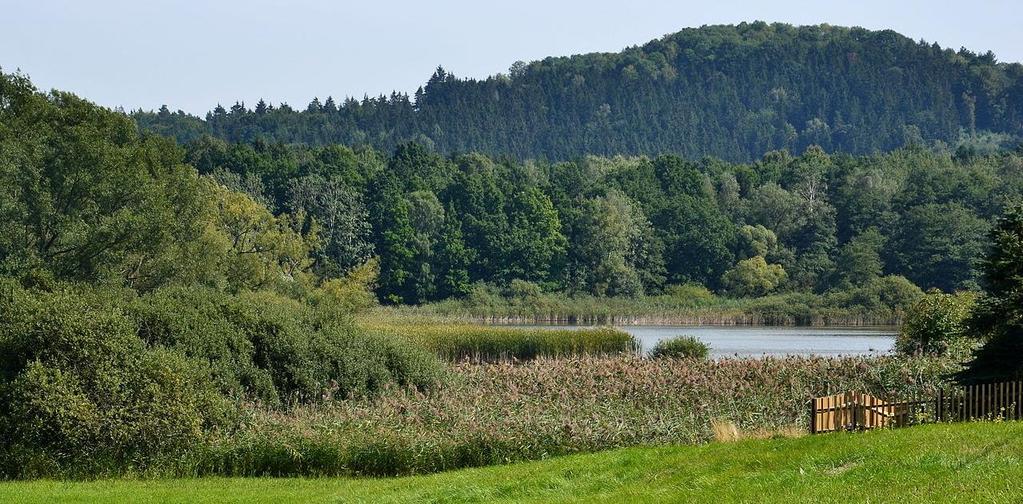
[[978, 462], [734, 92]]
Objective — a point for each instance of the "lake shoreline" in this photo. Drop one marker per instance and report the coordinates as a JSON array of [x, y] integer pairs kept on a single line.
[[739, 320], [744, 341]]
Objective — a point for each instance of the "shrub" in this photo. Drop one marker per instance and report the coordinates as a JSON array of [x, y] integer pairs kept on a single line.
[[353, 293], [753, 277], [80, 393], [691, 294], [276, 350], [892, 295], [94, 380], [935, 323], [680, 347], [524, 290]]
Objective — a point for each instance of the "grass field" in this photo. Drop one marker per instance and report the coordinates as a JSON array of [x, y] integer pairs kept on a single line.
[[979, 462]]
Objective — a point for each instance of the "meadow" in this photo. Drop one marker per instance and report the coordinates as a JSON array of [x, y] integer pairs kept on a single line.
[[973, 462]]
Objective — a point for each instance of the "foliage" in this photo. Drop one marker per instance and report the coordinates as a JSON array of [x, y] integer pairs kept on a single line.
[[734, 92], [87, 198], [340, 217], [627, 226], [692, 293], [81, 393], [935, 323], [859, 260], [937, 243], [881, 302], [998, 317], [98, 379], [615, 250], [753, 277], [91, 200], [680, 347]]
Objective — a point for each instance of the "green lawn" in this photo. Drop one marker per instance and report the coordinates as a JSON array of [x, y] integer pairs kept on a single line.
[[981, 462]]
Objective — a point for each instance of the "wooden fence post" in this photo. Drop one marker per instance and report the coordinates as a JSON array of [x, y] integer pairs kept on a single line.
[[813, 415], [939, 408]]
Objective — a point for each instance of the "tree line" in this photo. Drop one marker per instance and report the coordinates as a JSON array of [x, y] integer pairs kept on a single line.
[[628, 226], [732, 92]]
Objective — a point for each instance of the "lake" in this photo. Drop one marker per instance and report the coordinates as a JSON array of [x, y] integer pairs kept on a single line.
[[758, 341]]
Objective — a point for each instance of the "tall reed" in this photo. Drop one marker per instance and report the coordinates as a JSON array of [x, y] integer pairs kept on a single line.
[[461, 341], [501, 412]]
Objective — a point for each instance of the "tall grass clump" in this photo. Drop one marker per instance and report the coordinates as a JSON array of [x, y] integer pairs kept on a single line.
[[456, 341], [883, 301], [680, 347]]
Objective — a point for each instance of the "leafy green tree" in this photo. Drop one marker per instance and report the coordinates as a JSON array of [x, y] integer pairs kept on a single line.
[[393, 236], [87, 198], [341, 219], [453, 259], [753, 277], [859, 260], [614, 248], [534, 245], [756, 241], [998, 317], [936, 245], [256, 249], [936, 323], [698, 240]]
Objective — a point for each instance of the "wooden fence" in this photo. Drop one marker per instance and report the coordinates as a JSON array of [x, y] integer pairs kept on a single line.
[[855, 410]]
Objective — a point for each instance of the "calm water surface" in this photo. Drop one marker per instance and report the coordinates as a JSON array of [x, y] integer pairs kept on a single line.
[[756, 341]]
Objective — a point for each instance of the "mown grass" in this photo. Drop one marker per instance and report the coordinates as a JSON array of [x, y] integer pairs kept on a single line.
[[457, 341], [975, 462]]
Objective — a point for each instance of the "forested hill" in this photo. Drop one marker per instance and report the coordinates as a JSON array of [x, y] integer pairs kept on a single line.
[[734, 92]]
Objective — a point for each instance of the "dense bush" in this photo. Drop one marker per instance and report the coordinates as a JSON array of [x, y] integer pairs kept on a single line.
[[81, 393], [95, 380], [936, 323], [680, 347], [262, 346], [753, 277]]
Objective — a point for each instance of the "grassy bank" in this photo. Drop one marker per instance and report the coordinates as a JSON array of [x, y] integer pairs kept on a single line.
[[457, 341], [685, 305], [977, 462]]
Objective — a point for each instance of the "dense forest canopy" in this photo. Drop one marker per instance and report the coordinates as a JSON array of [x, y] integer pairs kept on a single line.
[[94, 200], [733, 92], [442, 226]]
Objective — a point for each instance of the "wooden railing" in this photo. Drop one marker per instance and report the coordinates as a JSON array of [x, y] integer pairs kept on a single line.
[[856, 411]]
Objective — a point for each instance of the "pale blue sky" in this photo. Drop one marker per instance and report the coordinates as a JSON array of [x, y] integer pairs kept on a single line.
[[194, 54]]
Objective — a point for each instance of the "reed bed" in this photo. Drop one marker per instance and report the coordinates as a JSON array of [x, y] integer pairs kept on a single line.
[[801, 309], [501, 412], [461, 341]]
